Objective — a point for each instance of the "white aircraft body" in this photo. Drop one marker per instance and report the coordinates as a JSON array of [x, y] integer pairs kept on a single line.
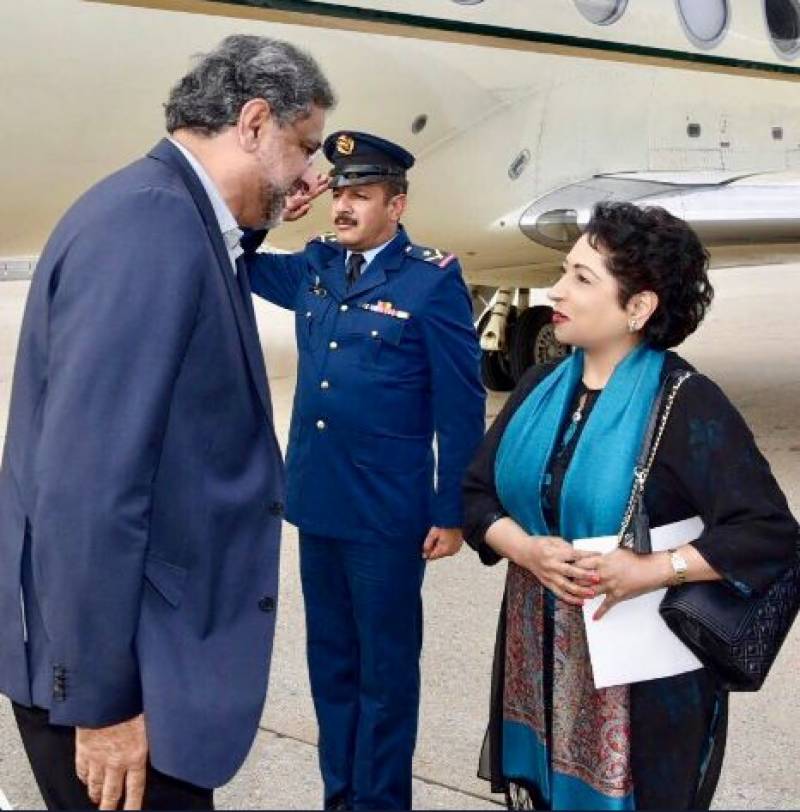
[[522, 114]]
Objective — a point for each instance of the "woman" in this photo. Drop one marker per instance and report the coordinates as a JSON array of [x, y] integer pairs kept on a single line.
[[557, 465]]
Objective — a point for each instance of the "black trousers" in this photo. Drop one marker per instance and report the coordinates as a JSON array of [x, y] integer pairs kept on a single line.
[[51, 752]]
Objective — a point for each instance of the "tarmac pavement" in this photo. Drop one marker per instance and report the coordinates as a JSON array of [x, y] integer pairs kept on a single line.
[[749, 346]]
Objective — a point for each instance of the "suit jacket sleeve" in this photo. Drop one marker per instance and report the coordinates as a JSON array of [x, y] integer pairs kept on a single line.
[[121, 315], [274, 277], [459, 398]]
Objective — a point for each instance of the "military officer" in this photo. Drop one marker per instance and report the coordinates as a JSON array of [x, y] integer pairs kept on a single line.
[[388, 360]]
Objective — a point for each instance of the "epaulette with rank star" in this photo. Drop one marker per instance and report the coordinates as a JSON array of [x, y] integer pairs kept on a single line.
[[328, 238], [433, 255]]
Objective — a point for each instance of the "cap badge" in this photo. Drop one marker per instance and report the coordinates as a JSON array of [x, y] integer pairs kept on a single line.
[[345, 145]]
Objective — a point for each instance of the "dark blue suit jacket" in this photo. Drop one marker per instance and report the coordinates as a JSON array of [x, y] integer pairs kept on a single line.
[[142, 484], [383, 368]]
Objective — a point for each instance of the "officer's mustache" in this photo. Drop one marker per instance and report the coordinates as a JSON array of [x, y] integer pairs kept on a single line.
[[344, 220]]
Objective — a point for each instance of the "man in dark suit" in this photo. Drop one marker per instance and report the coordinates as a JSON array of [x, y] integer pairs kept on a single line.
[[141, 489]]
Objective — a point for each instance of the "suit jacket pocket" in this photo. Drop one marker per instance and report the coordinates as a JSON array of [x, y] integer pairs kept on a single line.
[[169, 580], [375, 331]]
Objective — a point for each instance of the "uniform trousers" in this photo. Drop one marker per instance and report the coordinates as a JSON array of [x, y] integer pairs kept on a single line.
[[51, 752], [364, 622]]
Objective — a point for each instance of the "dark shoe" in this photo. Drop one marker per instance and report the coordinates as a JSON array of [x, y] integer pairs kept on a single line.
[[339, 802]]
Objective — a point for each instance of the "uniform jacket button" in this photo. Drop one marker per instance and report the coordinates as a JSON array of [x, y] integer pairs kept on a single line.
[[320, 424], [325, 385], [276, 508], [333, 345], [266, 604], [344, 308]]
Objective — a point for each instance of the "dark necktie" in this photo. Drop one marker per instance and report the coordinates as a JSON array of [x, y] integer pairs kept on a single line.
[[354, 266]]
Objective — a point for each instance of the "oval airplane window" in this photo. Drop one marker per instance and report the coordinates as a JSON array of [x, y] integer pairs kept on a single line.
[[783, 21], [705, 21], [602, 12]]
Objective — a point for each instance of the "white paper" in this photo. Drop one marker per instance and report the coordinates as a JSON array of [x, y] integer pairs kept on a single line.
[[632, 643]]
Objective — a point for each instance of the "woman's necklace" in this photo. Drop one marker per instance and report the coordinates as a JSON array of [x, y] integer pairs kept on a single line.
[[577, 415], [575, 420]]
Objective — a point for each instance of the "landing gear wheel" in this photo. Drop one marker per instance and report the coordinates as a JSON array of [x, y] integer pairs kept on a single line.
[[533, 341], [496, 366], [496, 372]]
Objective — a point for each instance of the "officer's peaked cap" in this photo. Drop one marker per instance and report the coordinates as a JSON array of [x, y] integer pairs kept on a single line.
[[360, 158]]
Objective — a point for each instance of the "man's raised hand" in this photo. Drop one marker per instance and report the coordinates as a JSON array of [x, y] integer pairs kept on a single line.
[[305, 191]]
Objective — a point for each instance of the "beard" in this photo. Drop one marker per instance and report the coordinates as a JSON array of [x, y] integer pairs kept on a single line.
[[273, 201], [271, 196]]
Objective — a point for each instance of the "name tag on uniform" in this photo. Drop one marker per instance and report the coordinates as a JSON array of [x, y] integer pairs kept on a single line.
[[387, 309]]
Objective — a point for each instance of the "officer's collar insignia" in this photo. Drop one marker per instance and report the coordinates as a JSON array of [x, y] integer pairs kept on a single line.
[[328, 238], [345, 145]]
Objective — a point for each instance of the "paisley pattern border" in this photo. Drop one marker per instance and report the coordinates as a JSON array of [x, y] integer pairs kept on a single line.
[[591, 728]]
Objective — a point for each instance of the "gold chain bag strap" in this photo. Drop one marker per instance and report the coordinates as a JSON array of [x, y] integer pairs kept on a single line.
[[634, 532]]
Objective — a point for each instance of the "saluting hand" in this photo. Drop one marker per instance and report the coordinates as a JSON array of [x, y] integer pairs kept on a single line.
[[442, 542], [112, 762], [307, 189]]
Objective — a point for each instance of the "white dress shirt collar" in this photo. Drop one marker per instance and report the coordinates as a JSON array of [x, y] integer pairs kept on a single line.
[[368, 255], [231, 233]]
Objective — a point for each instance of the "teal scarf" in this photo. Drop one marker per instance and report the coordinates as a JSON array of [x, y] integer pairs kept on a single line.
[[579, 769]]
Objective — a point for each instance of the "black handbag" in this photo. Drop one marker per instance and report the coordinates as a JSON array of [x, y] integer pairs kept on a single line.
[[736, 637]]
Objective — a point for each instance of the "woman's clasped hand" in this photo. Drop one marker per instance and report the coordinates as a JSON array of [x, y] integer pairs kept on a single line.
[[622, 574], [554, 562], [575, 576]]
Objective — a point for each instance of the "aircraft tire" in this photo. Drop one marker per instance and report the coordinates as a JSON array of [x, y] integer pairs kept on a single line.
[[495, 371], [533, 341]]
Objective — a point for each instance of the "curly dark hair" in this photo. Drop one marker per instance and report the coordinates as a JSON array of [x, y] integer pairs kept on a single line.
[[650, 249]]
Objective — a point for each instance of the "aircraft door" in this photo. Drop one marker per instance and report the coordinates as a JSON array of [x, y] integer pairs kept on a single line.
[[753, 138], [684, 129]]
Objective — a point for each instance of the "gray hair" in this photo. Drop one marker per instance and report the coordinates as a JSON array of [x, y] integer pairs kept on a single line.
[[211, 96]]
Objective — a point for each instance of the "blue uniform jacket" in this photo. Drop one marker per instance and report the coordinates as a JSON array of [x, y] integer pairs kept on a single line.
[[141, 485], [381, 370]]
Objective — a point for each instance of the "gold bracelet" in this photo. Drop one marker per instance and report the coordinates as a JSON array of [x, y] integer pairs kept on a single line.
[[680, 567]]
